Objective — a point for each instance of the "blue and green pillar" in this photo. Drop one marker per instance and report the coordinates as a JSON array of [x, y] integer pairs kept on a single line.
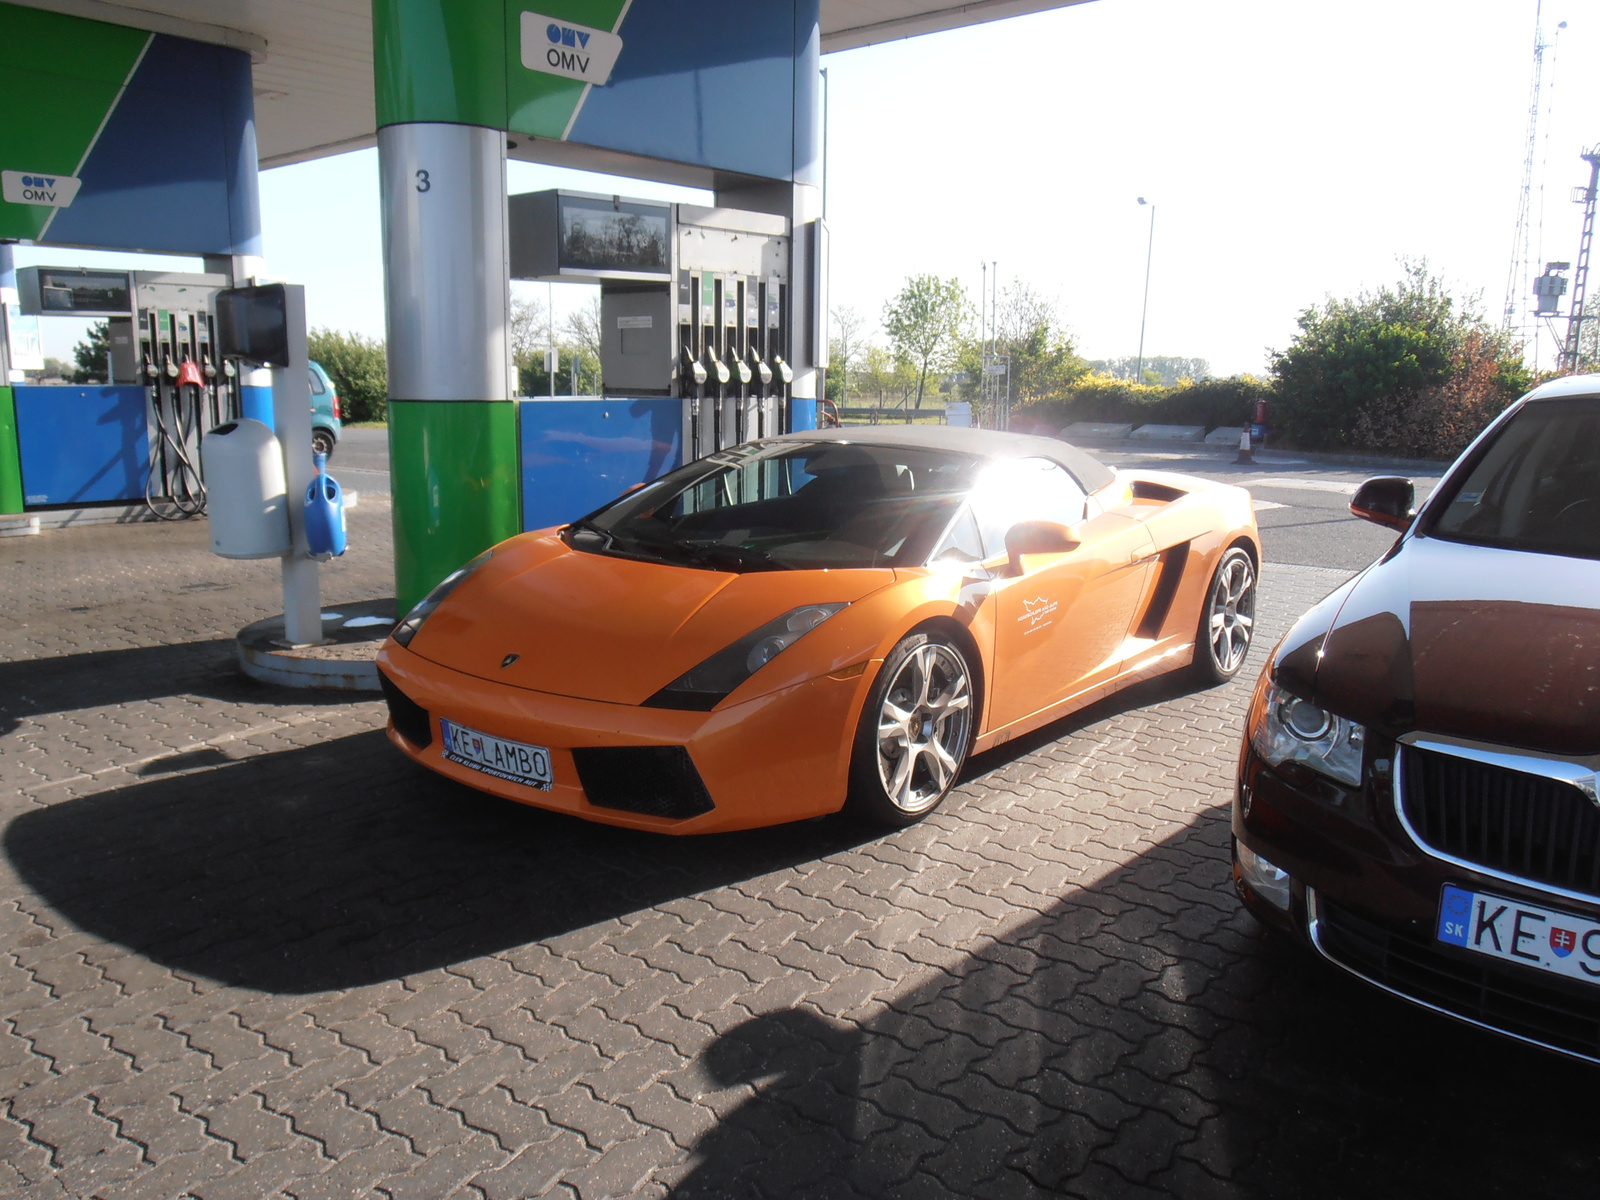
[[440, 76]]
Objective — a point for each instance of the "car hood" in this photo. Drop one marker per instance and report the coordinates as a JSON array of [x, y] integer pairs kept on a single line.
[[1485, 644], [612, 629]]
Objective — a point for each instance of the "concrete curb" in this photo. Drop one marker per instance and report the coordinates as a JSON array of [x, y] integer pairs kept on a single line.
[[1269, 458], [346, 661]]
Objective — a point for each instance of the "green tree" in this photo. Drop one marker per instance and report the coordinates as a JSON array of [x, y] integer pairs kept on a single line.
[[583, 336], [359, 369], [924, 323], [92, 355], [844, 348], [1360, 367]]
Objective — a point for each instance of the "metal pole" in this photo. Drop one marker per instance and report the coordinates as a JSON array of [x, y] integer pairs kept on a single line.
[[550, 335], [291, 418], [1144, 311], [824, 143]]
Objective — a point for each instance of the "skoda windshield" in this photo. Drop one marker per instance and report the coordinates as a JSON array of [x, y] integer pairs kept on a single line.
[[786, 505], [1536, 486]]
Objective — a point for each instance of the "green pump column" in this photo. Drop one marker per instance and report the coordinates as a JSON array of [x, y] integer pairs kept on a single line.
[[453, 455]]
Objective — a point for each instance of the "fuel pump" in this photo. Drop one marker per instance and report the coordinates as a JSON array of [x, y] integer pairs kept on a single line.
[[750, 360], [163, 389], [732, 351], [777, 401], [173, 486], [711, 396], [694, 308]]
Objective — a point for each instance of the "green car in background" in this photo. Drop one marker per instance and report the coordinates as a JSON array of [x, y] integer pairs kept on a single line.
[[325, 424]]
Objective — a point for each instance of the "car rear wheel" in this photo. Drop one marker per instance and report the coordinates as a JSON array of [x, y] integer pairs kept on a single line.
[[1227, 619], [322, 442], [915, 732]]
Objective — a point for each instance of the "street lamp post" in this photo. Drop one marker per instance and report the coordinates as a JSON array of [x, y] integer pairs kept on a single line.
[[1144, 311]]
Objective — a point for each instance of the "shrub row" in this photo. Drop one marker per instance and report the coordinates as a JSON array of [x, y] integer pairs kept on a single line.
[[1208, 402]]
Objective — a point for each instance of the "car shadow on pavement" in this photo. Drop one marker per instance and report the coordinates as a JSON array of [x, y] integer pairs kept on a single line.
[[1142, 1037], [345, 864], [105, 678]]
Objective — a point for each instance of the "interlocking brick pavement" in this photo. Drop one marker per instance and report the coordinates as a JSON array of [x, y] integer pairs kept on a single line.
[[247, 949]]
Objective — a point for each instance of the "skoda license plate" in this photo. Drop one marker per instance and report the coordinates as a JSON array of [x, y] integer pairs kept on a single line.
[[1514, 931], [516, 762]]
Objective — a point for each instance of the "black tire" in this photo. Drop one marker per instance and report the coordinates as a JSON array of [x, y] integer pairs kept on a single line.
[[928, 681], [1227, 619], [323, 442]]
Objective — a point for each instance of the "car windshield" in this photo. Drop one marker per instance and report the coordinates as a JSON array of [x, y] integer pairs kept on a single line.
[[788, 506], [1536, 486]]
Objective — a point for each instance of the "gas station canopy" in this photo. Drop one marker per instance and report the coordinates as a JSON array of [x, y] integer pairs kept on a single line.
[[312, 59]]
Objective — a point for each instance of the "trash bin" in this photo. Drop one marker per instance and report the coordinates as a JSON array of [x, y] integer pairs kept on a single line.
[[247, 493]]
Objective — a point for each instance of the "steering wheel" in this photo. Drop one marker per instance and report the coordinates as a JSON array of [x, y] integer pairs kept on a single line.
[[1580, 509]]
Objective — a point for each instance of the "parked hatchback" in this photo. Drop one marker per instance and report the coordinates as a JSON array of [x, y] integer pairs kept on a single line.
[[1417, 790], [325, 422]]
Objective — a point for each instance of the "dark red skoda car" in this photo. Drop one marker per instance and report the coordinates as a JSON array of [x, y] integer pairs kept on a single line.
[[1417, 790]]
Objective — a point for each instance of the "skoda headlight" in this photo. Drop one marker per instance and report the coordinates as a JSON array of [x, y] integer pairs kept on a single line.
[[407, 629], [1294, 730], [702, 687]]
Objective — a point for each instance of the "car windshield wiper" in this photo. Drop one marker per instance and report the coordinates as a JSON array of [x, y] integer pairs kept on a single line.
[[744, 558]]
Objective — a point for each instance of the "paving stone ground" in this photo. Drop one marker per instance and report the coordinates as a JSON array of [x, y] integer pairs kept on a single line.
[[246, 949]]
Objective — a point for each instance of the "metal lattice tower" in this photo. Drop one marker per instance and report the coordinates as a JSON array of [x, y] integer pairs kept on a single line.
[[1521, 249], [1580, 273]]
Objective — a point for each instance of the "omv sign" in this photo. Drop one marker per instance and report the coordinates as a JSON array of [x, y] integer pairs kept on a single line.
[[559, 47], [33, 187]]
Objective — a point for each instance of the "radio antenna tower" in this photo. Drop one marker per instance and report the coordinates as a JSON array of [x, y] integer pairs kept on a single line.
[[1518, 276]]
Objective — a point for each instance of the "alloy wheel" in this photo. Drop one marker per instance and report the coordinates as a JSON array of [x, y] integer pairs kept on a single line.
[[1231, 613], [923, 726]]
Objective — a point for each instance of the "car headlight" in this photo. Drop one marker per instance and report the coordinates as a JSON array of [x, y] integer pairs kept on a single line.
[[1290, 729], [701, 688], [407, 629]]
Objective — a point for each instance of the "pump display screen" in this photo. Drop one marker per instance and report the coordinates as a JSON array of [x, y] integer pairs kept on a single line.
[[605, 235], [84, 293], [253, 324]]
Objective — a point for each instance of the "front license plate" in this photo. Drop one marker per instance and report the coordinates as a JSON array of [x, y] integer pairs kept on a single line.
[[516, 762], [1511, 930]]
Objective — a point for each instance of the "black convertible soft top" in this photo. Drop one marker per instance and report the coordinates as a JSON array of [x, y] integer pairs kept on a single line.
[[1090, 472]]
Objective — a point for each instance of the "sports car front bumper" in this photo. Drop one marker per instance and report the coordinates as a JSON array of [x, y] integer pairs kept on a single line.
[[780, 757]]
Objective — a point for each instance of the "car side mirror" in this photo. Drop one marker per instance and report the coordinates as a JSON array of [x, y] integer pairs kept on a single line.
[[1387, 500], [1038, 537]]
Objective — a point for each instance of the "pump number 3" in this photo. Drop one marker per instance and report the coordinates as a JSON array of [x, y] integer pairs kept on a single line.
[[423, 182]]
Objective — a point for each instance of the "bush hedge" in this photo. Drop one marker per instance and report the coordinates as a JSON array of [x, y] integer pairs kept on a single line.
[[359, 369], [1208, 402]]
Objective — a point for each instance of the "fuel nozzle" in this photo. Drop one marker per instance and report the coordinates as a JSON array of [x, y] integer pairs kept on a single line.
[[785, 371], [691, 367], [761, 369], [208, 367], [737, 366], [715, 369], [169, 368], [228, 368], [151, 371], [189, 373]]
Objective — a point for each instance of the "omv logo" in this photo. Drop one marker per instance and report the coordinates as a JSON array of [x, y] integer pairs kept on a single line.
[[567, 35], [31, 187], [557, 47]]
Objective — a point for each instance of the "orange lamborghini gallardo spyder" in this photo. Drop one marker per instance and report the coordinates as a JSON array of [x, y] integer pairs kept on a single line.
[[816, 621]]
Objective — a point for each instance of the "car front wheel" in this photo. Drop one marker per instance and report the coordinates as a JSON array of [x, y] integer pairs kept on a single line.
[[322, 442], [915, 732]]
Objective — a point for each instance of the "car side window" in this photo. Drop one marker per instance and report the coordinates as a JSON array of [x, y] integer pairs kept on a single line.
[[962, 542], [316, 384], [1028, 489]]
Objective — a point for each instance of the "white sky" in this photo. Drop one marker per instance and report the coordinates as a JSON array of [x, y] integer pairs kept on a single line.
[[1293, 150]]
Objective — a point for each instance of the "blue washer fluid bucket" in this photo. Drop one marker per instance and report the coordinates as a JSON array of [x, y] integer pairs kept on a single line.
[[325, 533]]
